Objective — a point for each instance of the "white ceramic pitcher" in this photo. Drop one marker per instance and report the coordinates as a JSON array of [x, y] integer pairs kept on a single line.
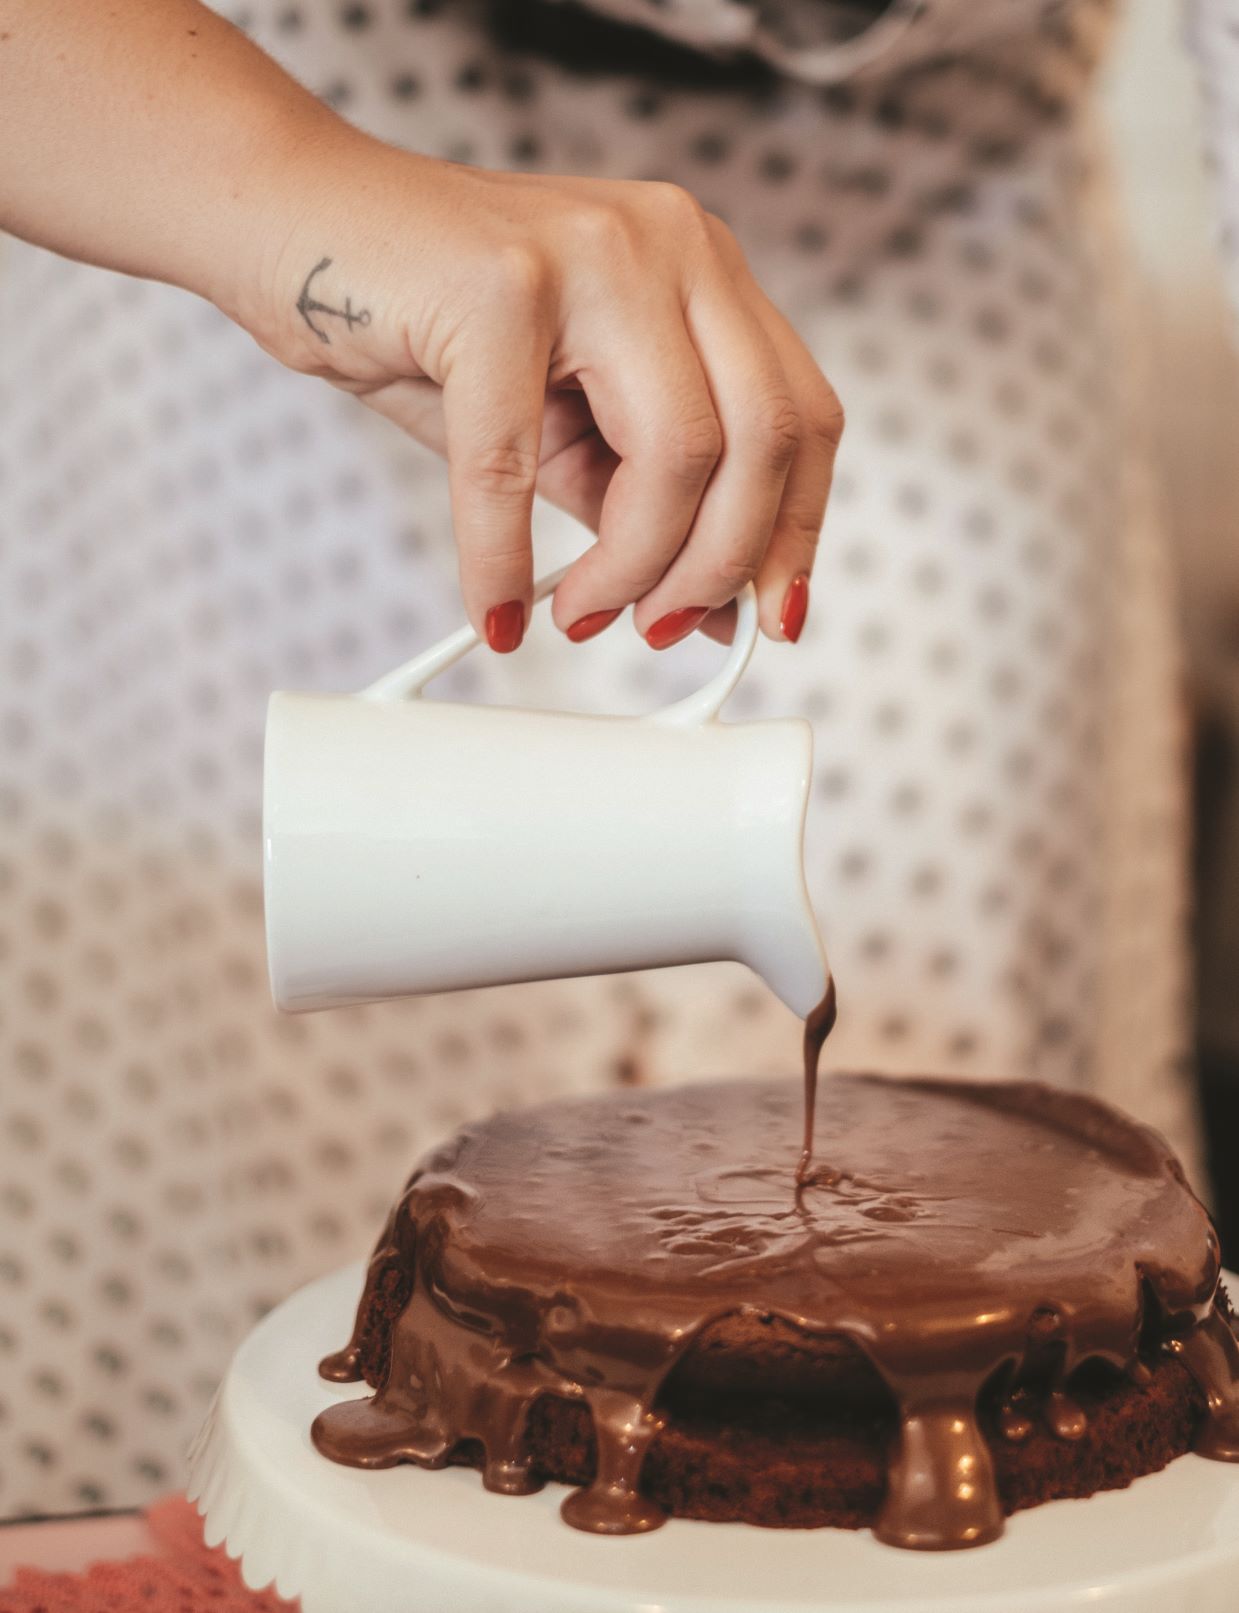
[[417, 846]]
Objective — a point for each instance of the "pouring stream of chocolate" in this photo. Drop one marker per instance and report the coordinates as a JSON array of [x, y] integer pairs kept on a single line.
[[960, 1226], [817, 1027]]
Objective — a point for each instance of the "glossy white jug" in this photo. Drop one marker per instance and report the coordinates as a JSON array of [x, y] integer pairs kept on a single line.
[[418, 846]]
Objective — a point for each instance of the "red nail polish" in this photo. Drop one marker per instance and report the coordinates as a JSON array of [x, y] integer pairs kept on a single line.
[[795, 607], [590, 626], [675, 625], [505, 626]]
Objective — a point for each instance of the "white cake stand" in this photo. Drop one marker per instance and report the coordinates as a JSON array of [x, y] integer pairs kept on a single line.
[[408, 1541]]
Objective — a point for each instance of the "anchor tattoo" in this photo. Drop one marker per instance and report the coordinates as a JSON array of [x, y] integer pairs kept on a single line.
[[307, 305]]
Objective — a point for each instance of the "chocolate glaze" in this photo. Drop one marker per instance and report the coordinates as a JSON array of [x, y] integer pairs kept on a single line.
[[817, 1027], [579, 1248]]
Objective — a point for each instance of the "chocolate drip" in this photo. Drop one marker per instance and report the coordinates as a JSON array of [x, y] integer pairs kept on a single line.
[[817, 1027], [964, 1232], [1211, 1355], [1065, 1418], [342, 1367], [1014, 1425], [942, 1478]]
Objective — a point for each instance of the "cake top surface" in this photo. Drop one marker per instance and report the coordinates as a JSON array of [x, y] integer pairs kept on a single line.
[[930, 1195]]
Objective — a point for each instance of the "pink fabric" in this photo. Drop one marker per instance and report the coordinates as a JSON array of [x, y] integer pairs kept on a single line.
[[184, 1577]]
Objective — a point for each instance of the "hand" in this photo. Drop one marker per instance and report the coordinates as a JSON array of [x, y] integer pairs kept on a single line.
[[602, 342]]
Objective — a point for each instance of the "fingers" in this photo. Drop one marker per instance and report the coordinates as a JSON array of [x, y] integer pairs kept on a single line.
[[761, 435], [577, 461], [654, 409], [493, 395], [783, 577], [685, 422], [720, 625], [788, 565]]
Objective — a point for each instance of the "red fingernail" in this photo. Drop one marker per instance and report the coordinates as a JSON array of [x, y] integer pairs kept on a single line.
[[795, 607], [505, 626], [588, 626], [675, 625]]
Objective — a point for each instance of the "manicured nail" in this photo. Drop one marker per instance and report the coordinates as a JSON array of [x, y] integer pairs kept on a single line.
[[589, 626], [675, 625], [795, 607], [505, 626]]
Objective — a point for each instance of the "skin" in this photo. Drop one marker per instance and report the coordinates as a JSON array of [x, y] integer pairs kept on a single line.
[[600, 342]]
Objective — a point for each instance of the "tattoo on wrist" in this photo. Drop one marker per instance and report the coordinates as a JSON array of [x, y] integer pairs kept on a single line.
[[308, 304]]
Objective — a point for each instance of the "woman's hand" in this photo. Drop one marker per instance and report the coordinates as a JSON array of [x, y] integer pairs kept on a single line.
[[602, 342]]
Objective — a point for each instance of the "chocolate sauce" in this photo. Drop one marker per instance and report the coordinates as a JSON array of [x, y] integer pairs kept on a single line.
[[963, 1229], [817, 1027]]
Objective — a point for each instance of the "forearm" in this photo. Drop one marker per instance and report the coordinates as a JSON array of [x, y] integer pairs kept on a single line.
[[151, 136]]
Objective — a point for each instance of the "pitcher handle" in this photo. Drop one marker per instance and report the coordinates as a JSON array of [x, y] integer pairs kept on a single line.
[[700, 706]]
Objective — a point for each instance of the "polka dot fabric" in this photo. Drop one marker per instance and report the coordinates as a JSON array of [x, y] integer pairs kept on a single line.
[[1213, 32], [996, 842]]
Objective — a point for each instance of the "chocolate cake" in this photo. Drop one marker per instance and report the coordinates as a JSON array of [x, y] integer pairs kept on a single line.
[[986, 1296]]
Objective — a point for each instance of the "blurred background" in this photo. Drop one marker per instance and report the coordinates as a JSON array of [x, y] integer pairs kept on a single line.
[[1153, 105], [174, 1156]]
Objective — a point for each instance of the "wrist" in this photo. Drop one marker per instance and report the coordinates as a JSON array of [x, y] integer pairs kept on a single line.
[[326, 281], [283, 190]]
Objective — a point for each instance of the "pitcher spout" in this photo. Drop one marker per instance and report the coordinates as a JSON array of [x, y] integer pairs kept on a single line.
[[779, 935], [791, 959]]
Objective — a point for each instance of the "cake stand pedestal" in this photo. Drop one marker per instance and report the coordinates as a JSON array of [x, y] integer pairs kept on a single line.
[[407, 1541]]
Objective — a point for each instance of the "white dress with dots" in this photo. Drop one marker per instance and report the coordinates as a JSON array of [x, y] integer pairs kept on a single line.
[[997, 834]]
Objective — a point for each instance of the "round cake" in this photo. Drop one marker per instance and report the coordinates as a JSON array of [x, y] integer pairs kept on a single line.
[[986, 1296]]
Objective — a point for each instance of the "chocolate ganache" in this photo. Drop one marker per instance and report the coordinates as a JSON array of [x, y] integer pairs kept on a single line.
[[817, 1027], [579, 1250]]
